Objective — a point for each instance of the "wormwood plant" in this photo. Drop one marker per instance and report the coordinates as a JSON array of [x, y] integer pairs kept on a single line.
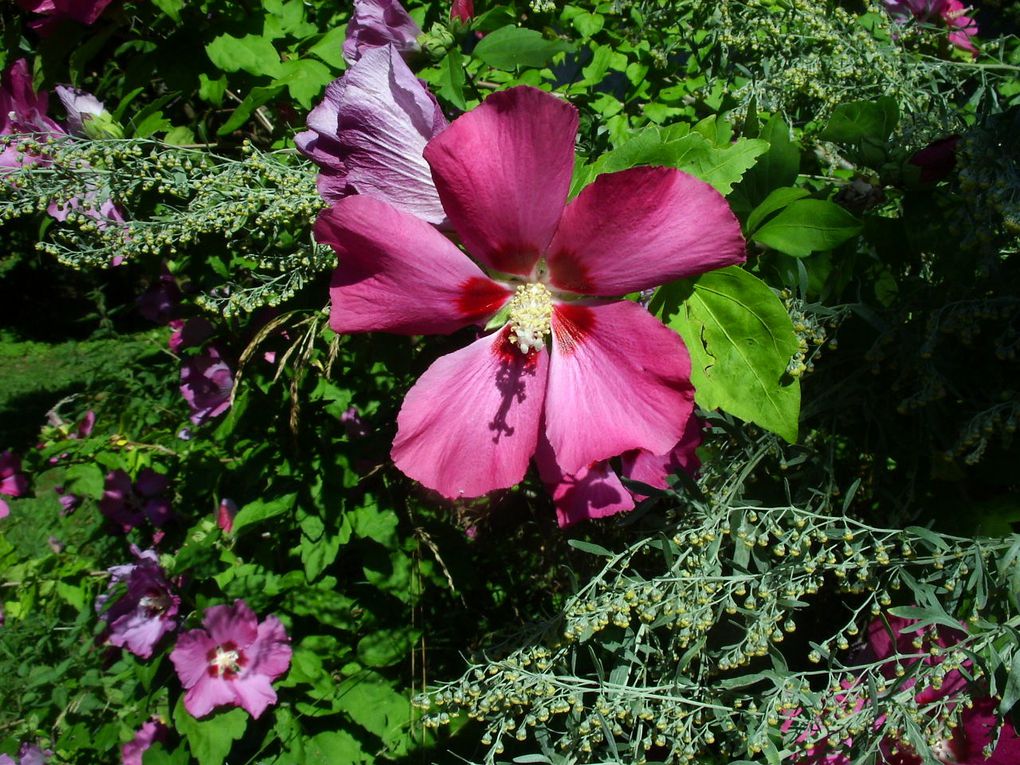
[[671, 652], [249, 216]]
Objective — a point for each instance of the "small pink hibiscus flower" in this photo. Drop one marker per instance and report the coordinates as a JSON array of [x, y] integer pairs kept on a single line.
[[206, 384], [13, 482], [146, 609], [129, 504], [233, 661], [151, 731], [22, 110], [571, 362]]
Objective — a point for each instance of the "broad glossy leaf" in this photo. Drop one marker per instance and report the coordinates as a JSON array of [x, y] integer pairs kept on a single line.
[[741, 339], [511, 46], [806, 226], [211, 738]]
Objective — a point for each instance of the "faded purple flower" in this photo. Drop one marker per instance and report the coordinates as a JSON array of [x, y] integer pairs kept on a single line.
[[206, 384], [354, 426], [233, 661], [52, 12], [154, 730], [146, 608], [81, 106], [161, 301], [128, 505], [22, 110], [28, 754], [68, 502], [369, 132], [378, 23]]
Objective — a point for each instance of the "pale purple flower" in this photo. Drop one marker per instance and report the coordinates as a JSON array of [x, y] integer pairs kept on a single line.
[[378, 23], [151, 731], [129, 504], [22, 110], [206, 384], [146, 607], [80, 106], [369, 132], [353, 424], [950, 13], [68, 502], [233, 661], [28, 754]]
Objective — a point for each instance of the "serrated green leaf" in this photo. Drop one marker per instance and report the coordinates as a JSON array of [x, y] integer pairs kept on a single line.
[[261, 510], [511, 46], [777, 167], [251, 53], [334, 747], [171, 8], [741, 339], [305, 79], [286, 18], [385, 647], [256, 98], [373, 704], [806, 226], [862, 120], [211, 738]]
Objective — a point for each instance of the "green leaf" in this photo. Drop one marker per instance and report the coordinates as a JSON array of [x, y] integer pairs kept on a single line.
[[779, 166], [862, 120], [261, 510], [171, 8], [776, 200], [251, 53], [385, 647], [370, 522], [741, 339], [1011, 693], [334, 747], [806, 226], [85, 481], [328, 48], [373, 704], [590, 548], [511, 46], [588, 24], [305, 79], [210, 739], [256, 98], [450, 83], [286, 18]]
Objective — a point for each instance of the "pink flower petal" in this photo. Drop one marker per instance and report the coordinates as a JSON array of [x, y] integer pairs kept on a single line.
[[376, 23], [253, 692], [5, 509], [398, 274], [503, 172], [655, 469], [618, 380], [470, 423], [231, 624], [190, 657], [591, 492], [640, 228], [271, 650], [208, 693]]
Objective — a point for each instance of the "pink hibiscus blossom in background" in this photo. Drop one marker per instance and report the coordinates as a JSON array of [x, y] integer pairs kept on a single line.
[[377, 24], [28, 754], [369, 132], [936, 160], [979, 726], [13, 482], [161, 301], [22, 110], [154, 730], [462, 10], [189, 333], [206, 384], [52, 12], [233, 661], [146, 608], [225, 515], [129, 504], [951, 13], [613, 378]]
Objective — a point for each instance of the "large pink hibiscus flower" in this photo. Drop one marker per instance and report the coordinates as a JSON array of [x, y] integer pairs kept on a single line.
[[570, 362]]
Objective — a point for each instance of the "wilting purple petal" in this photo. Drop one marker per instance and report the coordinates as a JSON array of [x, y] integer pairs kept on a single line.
[[206, 384], [376, 24], [146, 611]]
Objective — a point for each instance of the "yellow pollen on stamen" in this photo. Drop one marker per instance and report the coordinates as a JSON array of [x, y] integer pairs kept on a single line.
[[530, 317], [225, 661]]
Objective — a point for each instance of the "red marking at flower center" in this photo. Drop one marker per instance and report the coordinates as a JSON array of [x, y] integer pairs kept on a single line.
[[567, 272], [510, 355], [480, 297], [571, 324]]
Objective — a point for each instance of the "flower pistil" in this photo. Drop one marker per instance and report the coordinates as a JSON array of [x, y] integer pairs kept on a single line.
[[530, 317]]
